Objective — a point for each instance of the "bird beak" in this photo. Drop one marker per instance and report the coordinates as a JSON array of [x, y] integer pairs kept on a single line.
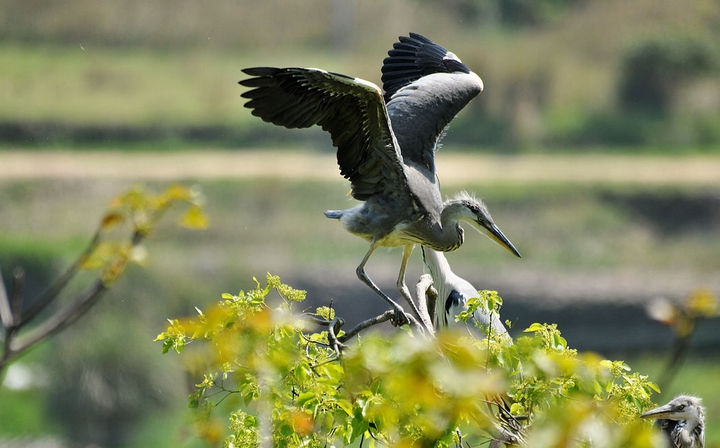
[[659, 412], [495, 234]]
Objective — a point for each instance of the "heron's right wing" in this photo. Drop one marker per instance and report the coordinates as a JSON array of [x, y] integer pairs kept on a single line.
[[413, 57], [425, 87], [350, 109]]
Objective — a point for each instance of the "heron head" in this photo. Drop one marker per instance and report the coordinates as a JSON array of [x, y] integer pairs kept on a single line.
[[476, 213], [680, 408]]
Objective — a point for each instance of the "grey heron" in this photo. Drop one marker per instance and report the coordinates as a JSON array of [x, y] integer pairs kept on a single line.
[[453, 293], [386, 152], [682, 421]]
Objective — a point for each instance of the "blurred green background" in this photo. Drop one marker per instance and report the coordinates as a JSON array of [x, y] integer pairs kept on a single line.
[[568, 83]]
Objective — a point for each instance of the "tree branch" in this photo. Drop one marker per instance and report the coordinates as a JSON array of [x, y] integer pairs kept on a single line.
[[47, 297], [6, 313], [55, 323], [387, 315], [13, 346]]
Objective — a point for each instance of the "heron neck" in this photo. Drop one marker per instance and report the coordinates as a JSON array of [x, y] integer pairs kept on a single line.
[[694, 425], [450, 235], [436, 263]]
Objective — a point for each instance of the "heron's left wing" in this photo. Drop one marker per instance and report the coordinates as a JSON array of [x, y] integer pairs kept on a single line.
[[350, 109], [425, 87]]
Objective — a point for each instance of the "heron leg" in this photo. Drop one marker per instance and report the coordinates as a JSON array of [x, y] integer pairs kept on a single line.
[[400, 315], [419, 309]]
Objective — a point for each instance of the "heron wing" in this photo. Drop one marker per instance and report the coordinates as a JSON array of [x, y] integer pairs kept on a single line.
[[350, 109], [425, 87], [411, 58]]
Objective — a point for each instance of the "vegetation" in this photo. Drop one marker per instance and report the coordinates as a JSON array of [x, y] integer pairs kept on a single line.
[[130, 219], [280, 384], [107, 254]]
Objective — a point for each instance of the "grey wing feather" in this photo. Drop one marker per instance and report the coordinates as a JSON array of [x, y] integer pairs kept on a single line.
[[350, 109], [425, 87], [411, 58]]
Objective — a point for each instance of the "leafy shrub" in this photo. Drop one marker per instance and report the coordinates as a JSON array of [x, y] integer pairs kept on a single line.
[[267, 378], [652, 70]]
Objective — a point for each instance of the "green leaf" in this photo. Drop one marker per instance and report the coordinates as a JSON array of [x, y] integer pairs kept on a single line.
[[534, 327]]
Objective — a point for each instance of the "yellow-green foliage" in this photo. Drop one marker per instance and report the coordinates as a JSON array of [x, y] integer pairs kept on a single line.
[[268, 377], [131, 217]]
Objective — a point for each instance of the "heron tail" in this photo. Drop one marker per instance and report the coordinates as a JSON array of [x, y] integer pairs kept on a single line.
[[334, 214]]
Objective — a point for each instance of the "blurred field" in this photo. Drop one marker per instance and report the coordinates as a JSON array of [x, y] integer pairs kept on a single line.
[[455, 168]]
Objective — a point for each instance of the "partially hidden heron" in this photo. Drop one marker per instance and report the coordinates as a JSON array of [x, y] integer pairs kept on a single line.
[[385, 151], [453, 293], [682, 421]]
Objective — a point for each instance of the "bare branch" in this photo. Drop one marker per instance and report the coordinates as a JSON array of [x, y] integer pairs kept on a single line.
[[333, 330], [6, 314], [47, 297], [63, 318], [384, 317], [18, 293], [55, 323]]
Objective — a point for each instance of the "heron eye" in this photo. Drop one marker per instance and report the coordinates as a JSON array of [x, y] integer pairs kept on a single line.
[[681, 407]]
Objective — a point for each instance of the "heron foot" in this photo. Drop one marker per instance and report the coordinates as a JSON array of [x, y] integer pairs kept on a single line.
[[400, 318]]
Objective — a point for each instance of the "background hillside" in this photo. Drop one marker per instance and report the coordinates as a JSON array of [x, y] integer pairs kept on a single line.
[[559, 74]]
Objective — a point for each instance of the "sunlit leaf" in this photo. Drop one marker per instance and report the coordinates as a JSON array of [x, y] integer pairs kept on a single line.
[[195, 218], [177, 193], [703, 302], [533, 328], [111, 220]]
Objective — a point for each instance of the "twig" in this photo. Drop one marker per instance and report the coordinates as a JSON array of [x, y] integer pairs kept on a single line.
[[6, 314], [8, 324], [384, 317], [681, 348], [47, 297], [18, 293], [333, 329], [55, 323], [13, 347]]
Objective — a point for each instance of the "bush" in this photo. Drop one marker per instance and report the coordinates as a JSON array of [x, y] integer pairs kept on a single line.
[[651, 71], [267, 379]]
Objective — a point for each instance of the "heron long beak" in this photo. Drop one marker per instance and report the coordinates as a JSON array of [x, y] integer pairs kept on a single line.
[[495, 234], [663, 411]]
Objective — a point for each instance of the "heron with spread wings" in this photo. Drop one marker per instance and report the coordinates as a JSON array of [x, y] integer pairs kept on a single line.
[[385, 146]]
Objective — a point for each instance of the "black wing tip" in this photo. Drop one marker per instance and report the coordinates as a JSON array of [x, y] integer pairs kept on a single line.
[[417, 41], [411, 57], [418, 36], [259, 71], [415, 37], [414, 50], [256, 72]]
